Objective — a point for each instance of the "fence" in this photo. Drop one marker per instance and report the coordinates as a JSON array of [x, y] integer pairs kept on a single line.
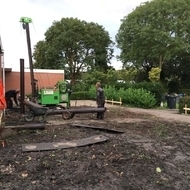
[[114, 102], [186, 109]]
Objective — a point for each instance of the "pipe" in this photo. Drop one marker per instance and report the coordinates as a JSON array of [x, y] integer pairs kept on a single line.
[[22, 89], [77, 111], [61, 111], [27, 126], [30, 103]]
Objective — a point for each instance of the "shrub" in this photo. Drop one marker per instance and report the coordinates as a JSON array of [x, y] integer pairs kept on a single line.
[[140, 98], [182, 102], [92, 93], [136, 97], [156, 88], [81, 95]]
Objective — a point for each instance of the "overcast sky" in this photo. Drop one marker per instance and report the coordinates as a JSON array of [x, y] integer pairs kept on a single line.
[[107, 13]]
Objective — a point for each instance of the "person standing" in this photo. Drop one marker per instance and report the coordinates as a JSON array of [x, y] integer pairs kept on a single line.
[[100, 99], [11, 94]]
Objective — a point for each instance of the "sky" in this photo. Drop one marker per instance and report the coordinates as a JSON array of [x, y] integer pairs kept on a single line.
[[107, 13]]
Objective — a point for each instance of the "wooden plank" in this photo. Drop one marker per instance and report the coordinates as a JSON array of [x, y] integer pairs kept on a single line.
[[186, 108], [98, 128], [64, 145], [113, 102]]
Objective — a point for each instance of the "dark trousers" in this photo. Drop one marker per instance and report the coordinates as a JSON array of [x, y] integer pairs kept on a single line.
[[100, 115], [9, 103]]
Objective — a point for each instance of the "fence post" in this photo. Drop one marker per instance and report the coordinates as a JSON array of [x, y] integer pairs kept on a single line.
[[185, 109]]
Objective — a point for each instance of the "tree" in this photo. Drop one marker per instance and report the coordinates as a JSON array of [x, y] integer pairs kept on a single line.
[[75, 46], [154, 33], [154, 74], [127, 75], [176, 71]]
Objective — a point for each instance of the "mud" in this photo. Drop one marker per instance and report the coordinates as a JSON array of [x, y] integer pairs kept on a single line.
[[152, 154]]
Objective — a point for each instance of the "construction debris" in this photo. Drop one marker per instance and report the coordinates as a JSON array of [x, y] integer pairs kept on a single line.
[[64, 145], [98, 128]]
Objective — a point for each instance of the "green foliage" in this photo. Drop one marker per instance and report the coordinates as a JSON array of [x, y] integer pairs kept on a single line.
[[108, 78], [185, 91], [154, 32], [111, 76], [92, 92], [127, 74], [75, 46], [182, 102], [175, 73], [90, 78], [111, 93], [136, 97], [173, 87], [80, 86], [154, 74], [156, 88], [80, 95]]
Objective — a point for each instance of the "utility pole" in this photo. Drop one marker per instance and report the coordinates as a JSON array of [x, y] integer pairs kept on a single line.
[[25, 23]]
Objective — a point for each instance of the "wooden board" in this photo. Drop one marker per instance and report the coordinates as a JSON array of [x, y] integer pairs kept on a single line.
[[64, 145], [98, 128]]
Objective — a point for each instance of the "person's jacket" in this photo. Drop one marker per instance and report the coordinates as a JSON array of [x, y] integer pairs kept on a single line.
[[12, 94], [100, 96]]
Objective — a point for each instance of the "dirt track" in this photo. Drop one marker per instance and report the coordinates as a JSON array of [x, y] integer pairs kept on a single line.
[[169, 114]]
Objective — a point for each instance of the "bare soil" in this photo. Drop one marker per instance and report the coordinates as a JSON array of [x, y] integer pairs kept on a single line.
[[152, 154]]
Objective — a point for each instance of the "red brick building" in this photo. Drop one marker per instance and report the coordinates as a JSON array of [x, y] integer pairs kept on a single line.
[[45, 78]]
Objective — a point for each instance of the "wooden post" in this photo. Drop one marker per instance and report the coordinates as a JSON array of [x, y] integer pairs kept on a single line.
[[185, 109]]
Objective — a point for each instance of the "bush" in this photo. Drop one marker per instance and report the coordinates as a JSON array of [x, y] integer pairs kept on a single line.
[[156, 88], [136, 97], [81, 95], [92, 92], [182, 102], [139, 98]]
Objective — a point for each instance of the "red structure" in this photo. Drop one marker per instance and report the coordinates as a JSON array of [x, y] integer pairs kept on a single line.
[[45, 77]]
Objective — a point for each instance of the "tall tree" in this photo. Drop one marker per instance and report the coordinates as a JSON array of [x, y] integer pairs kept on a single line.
[[154, 33], [75, 46], [177, 71]]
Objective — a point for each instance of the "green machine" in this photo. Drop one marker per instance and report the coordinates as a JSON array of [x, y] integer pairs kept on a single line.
[[56, 96]]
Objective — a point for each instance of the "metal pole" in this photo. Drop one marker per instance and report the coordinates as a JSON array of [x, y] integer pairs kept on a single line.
[[22, 87], [30, 59]]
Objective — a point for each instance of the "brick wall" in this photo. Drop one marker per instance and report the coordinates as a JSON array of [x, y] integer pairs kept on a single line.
[[45, 79]]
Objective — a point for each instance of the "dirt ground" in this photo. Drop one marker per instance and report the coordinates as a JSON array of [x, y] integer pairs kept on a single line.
[[152, 154]]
